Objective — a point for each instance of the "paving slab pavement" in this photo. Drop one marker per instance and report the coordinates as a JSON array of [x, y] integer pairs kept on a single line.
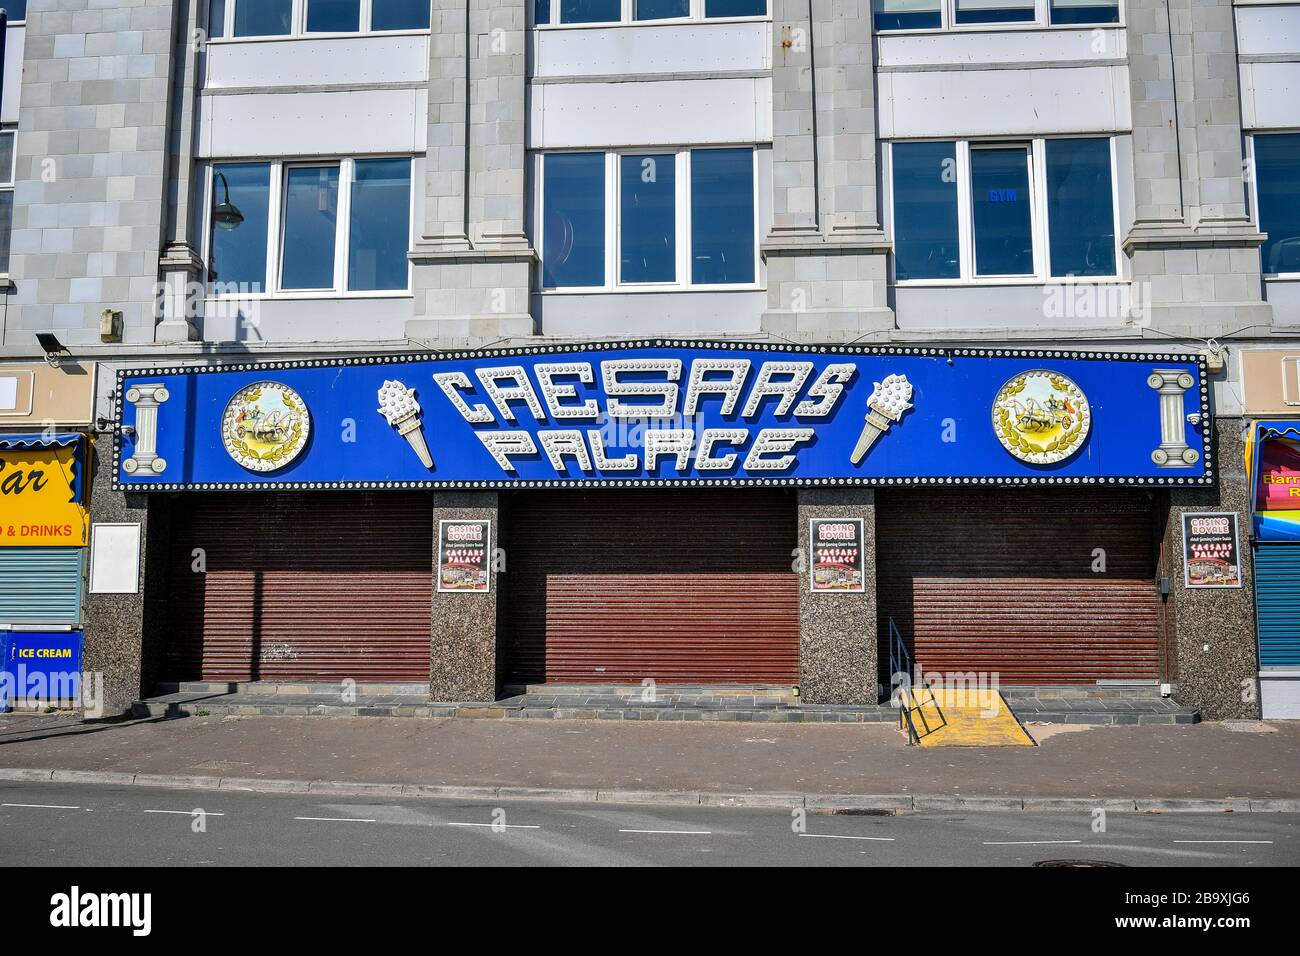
[[1199, 761]]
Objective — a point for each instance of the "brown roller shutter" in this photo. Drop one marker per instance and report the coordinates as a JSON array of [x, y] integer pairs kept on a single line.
[[320, 586], [1003, 580], [680, 587]]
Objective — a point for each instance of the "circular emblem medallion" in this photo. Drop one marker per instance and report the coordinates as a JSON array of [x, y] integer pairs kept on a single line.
[[265, 426], [1041, 417]]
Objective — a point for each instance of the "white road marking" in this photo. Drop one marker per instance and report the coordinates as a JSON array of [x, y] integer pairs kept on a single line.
[[1031, 842], [837, 836], [498, 826], [673, 832], [1224, 841], [338, 819], [190, 813], [39, 806]]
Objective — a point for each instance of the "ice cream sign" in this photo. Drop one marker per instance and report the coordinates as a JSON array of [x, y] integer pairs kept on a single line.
[[675, 413]]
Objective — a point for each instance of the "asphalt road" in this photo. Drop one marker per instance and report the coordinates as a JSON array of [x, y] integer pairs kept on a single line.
[[78, 825]]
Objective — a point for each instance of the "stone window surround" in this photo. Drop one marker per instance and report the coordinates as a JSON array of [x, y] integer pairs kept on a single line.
[[1038, 187], [276, 216]]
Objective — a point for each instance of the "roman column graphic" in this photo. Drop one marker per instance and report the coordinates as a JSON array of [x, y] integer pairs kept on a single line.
[[146, 399], [1172, 384]]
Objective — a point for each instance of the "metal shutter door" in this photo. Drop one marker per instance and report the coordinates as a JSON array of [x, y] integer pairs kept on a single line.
[[678, 587], [319, 586], [40, 585], [1277, 604], [1002, 581]]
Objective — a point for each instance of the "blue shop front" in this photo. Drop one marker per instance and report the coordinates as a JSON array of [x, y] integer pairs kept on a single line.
[[664, 509]]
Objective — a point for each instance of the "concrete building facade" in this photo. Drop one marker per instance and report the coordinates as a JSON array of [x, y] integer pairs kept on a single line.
[[1058, 179]]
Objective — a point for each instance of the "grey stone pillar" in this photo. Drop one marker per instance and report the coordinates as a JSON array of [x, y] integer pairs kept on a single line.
[[463, 663], [123, 633], [473, 264], [837, 631], [181, 264], [1214, 661], [1194, 252], [827, 258]]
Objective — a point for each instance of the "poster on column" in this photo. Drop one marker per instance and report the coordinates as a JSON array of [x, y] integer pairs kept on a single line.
[[464, 555], [836, 545], [1211, 550]]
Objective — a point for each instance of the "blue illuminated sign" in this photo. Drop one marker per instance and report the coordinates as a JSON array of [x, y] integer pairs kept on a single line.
[[669, 413]]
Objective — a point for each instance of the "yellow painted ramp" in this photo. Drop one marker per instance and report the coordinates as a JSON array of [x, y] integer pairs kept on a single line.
[[966, 718]]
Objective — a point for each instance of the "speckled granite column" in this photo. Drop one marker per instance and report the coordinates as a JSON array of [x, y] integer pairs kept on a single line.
[[1215, 663], [463, 666], [123, 636], [837, 632]]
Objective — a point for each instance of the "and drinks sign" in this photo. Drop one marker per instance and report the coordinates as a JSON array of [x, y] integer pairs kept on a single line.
[[669, 413], [41, 501]]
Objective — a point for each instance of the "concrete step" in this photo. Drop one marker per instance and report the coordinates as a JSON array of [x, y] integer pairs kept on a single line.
[[1146, 689], [297, 688], [1105, 711]]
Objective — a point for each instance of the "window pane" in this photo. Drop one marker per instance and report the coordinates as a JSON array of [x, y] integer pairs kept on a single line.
[[648, 218], [573, 240], [263, 18], [17, 11], [926, 243], [1080, 207], [590, 11], [1277, 172], [6, 226], [380, 229], [1085, 11], [1004, 244], [541, 11], [399, 15], [995, 11], [735, 8], [239, 253], [661, 9], [311, 208], [333, 16], [216, 19], [722, 216], [907, 15], [7, 158]]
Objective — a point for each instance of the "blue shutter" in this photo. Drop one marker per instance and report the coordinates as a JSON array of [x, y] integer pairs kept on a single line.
[[40, 585], [1277, 604]]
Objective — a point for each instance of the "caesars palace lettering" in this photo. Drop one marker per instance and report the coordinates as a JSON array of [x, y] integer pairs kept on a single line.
[[657, 383]]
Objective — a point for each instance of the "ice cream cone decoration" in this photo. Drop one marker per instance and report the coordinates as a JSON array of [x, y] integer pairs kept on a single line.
[[889, 400], [397, 403]]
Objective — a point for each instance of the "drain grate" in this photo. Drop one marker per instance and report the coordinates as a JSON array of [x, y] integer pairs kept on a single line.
[[1076, 863]]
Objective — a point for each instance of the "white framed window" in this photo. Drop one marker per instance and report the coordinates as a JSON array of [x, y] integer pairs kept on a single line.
[[1273, 162], [17, 10], [890, 16], [309, 228], [1035, 210], [562, 13], [645, 220], [245, 19], [7, 141]]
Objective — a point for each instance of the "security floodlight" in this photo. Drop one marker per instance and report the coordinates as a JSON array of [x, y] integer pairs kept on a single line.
[[52, 347]]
